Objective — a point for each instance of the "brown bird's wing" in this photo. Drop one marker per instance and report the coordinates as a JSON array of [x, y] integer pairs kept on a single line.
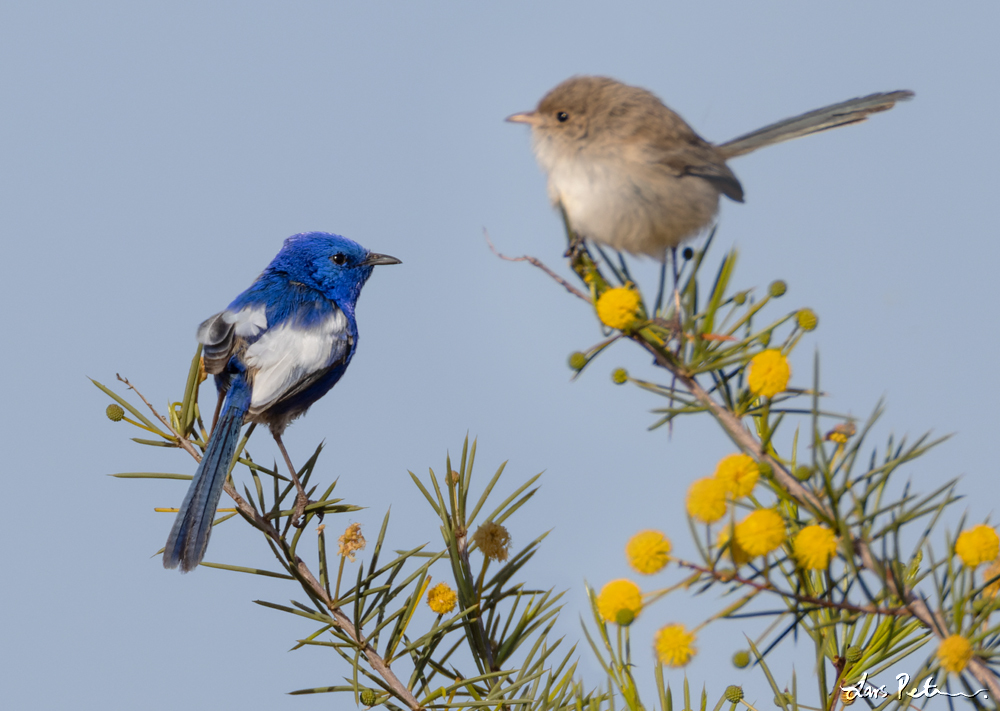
[[833, 116], [702, 160]]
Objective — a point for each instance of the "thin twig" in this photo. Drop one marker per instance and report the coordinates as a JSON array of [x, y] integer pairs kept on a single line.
[[768, 587], [536, 262], [181, 441]]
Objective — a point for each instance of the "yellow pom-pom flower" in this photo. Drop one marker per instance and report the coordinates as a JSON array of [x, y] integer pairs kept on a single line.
[[977, 545], [441, 599], [769, 373], [954, 653], [739, 472], [760, 532], [674, 645], [706, 500], [814, 546], [648, 552], [735, 551], [619, 308], [620, 601]]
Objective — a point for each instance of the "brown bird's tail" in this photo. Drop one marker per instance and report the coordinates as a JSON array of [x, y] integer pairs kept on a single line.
[[842, 114]]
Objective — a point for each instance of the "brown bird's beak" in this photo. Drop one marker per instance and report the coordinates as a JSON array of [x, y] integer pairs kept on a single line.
[[530, 118]]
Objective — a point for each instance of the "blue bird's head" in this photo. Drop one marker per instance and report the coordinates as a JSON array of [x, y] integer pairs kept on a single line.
[[334, 265]]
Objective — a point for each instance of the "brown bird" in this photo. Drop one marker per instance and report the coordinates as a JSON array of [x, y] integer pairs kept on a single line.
[[631, 174]]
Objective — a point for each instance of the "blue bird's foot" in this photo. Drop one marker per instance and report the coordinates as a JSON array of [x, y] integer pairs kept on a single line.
[[301, 501]]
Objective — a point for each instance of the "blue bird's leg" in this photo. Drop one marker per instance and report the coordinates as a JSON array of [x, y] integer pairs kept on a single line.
[[218, 410], [189, 537], [301, 499]]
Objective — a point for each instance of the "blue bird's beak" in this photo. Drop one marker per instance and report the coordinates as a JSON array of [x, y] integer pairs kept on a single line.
[[374, 258]]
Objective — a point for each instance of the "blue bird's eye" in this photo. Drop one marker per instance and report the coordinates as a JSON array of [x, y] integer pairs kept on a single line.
[[338, 258], [562, 116]]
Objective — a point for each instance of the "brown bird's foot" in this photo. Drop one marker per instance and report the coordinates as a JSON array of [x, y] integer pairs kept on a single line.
[[574, 248]]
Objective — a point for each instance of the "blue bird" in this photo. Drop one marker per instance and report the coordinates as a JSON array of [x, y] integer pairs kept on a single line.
[[278, 348]]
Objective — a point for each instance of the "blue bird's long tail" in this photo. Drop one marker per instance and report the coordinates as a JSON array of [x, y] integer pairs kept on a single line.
[[189, 536]]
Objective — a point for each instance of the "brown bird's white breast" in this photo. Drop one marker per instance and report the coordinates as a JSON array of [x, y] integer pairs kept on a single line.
[[633, 207]]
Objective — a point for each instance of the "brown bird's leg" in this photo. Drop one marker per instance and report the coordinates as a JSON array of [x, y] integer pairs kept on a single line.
[[301, 500], [657, 309], [677, 286]]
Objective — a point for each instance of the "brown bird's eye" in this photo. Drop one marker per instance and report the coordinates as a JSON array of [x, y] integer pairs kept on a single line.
[[338, 259], [562, 116]]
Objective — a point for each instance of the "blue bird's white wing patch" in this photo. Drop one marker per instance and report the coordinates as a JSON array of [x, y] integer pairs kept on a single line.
[[248, 321], [218, 334], [290, 353]]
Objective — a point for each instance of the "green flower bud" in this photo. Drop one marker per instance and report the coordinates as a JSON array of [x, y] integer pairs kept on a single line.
[[624, 617], [853, 653], [782, 700], [619, 376], [734, 693], [803, 472], [578, 361], [114, 412], [807, 319], [368, 697], [777, 288], [740, 298], [741, 659]]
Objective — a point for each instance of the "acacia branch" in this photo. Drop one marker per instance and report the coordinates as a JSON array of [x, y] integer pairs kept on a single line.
[[295, 565], [747, 442]]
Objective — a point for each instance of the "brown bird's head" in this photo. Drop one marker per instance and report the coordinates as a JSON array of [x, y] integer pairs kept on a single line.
[[596, 108]]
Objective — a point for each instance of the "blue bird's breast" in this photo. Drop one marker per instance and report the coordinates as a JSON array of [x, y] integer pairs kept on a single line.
[[292, 345]]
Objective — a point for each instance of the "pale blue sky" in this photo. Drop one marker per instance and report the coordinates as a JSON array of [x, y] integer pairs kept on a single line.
[[154, 155]]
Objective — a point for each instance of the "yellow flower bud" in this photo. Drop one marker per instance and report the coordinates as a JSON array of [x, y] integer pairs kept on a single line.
[[619, 308], [977, 545], [620, 601], [648, 552], [769, 373], [441, 599], [674, 645]]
